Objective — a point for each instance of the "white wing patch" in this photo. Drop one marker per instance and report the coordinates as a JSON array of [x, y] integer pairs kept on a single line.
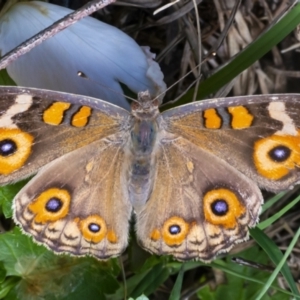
[[277, 111], [21, 104]]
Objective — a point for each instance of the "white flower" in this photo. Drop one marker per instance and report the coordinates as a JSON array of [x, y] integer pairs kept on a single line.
[[104, 53]]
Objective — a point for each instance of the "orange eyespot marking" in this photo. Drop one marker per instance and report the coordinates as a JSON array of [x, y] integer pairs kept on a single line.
[[93, 228], [241, 118], [51, 205], [275, 156], [212, 119], [81, 118], [155, 235], [54, 114], [15, 148], [111, 236], [222, 207], [174, 231]]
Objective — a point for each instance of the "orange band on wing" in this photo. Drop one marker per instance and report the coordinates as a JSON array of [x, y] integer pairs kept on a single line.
[[222, 207], [111, 236], [54, 115], [241, 118], [265, 158], [155, 235], [81, 118], [15, 149], [212, 119], [51, 205]]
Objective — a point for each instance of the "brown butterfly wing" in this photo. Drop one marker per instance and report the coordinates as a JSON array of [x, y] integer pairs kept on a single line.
[[211, 158], [38, 126], [260, 136], [79, 202], [200, 205]]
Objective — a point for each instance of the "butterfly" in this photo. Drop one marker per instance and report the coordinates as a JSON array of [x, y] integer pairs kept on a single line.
[[189, 175]]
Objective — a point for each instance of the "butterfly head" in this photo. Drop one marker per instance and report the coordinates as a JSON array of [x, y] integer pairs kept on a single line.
[[145, 107]]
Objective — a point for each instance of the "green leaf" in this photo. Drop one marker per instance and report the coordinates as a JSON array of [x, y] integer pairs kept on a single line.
[[275, 255], [7, 194], [46, 275], [2, 272], [278, 268], [5, 79], [244, 59], [237, 277], [7, 286], [147, 282], [175, 294], [272, 201], [266, 223]]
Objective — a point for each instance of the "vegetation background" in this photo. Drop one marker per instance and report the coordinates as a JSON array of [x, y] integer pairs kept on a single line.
[[245, 48]]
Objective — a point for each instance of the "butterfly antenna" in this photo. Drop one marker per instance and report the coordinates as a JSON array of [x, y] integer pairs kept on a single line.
[[252, 264], [187, 89], [84, 76]]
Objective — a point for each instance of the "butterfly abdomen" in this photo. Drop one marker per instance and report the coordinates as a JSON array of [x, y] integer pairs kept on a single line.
[[143, 137]]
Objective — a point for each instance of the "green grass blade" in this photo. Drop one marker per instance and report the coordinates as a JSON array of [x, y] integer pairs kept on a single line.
[[272, 201], [275, 255], [175, 294], [247, 56], [280, 265], [278, 215]]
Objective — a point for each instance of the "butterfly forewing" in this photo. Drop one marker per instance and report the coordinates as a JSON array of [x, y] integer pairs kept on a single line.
[[36, 127], [258, 135]]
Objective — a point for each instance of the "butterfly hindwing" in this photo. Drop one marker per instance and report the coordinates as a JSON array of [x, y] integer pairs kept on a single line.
[[207, 204], [79, 203]]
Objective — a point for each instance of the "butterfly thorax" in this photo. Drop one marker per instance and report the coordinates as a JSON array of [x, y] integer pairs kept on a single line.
[[145, 108]]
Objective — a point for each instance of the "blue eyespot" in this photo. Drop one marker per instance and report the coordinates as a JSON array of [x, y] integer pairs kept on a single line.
[[54, 205], [219, 207], [280, 153], [174, 229], [93, 227], [7, 147]]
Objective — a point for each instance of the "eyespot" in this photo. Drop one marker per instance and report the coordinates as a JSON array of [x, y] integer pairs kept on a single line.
[[7, 147], [219, 207], [174, 231], [15, 148], [93, 228], [280, 153], [222, 207], [275, 156], [51, 205], [54, 205]]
